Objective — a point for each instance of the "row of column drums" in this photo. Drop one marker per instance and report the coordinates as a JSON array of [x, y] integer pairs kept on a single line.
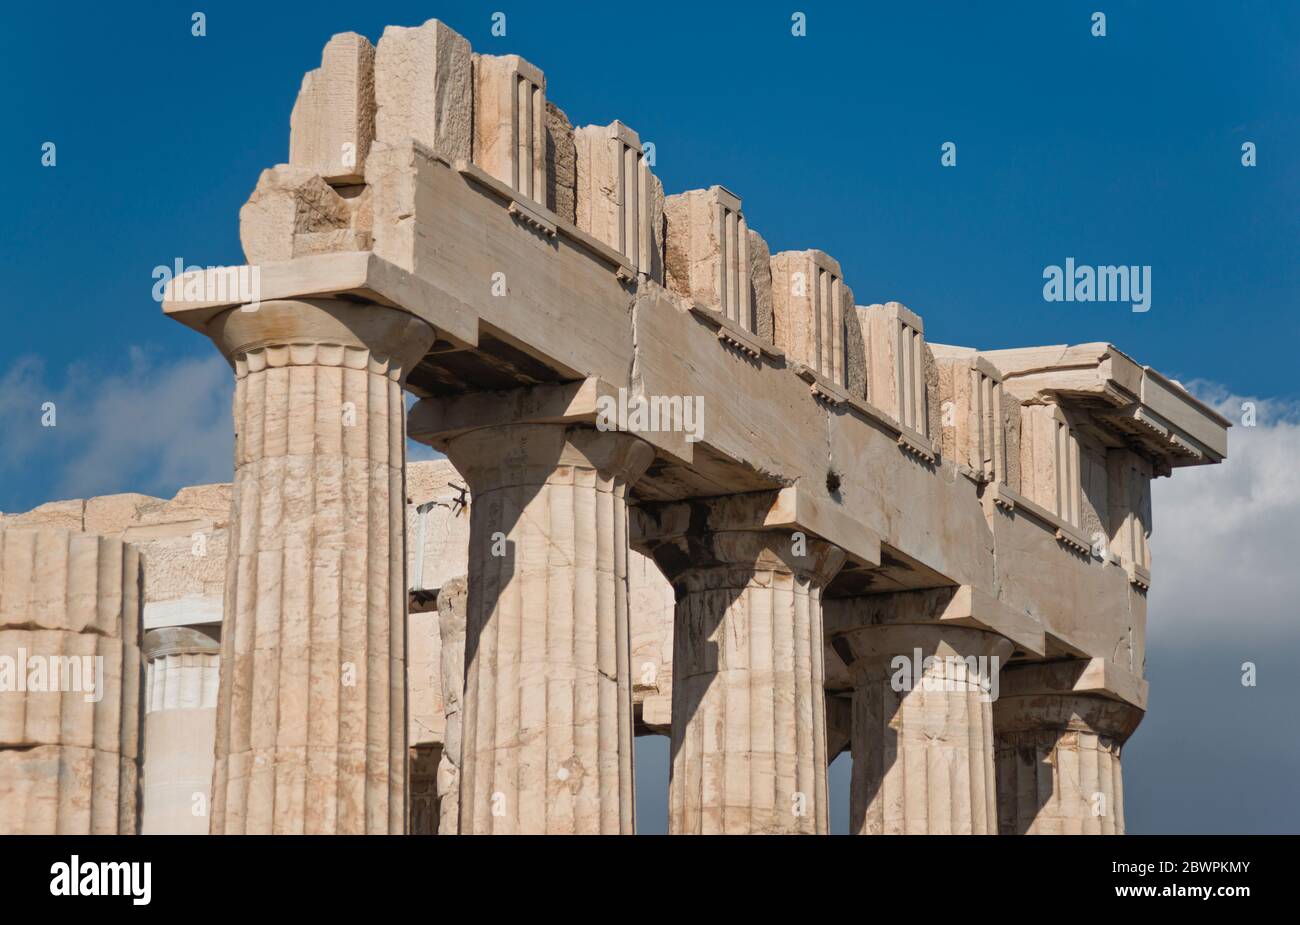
[[966, 744], [545, 743]]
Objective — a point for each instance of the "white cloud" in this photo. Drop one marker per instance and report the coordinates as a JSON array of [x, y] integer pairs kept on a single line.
[[1225, 593], [154, 427], [1224, 546]]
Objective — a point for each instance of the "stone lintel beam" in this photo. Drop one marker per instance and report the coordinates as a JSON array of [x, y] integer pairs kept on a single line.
[[960, 605], [194, 299], [437, 421], [548, 223], [792, 509], [177, 640]]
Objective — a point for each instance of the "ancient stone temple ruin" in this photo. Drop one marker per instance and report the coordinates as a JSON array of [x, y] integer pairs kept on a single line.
[[691, 489]]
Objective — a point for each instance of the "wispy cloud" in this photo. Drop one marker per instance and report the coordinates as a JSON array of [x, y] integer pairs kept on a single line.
[[1214, 754], [153, 427], [1224, 543]]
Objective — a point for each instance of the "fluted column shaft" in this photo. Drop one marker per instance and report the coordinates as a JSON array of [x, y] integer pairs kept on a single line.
[[1058, 758], [451, 627], [547, 724], [311, 716], [922, 730], [180, 704], [749, 702], [69, 683]]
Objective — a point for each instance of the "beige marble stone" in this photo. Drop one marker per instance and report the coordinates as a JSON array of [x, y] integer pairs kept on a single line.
[[182, 675], [452, 604], [973, 427], [923, 739], [561, 164], [69, 683], [315, 601], [1058, 753], [547, 744], [1050, 461], [813, 318], [66, 515], [510, 123], [760, 286], [426, 723], [749, 740], [651, 602], [437, 524], [295, 213], [619, 200], [898, 360], [423, 89], [707, 253], [333, 119]]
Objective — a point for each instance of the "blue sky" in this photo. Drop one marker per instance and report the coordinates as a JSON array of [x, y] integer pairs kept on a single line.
[[1117, 150]]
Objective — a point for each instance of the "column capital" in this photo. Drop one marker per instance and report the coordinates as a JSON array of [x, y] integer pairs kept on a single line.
[[700, 541], [514, 455], [1041, 695], [870, 651], [1058, 751], [1085, 713], [320, 332], [177, 640], [931, 711]]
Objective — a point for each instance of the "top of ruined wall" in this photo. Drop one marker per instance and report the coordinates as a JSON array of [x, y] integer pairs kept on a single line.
[[183, 540], [182, 543]]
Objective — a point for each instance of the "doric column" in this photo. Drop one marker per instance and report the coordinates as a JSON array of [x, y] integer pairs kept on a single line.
[[69, 683], [1058, 754], [180, 715], [547, 741], [451, 626], [748, 714], [922, 729], [311, 716]]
